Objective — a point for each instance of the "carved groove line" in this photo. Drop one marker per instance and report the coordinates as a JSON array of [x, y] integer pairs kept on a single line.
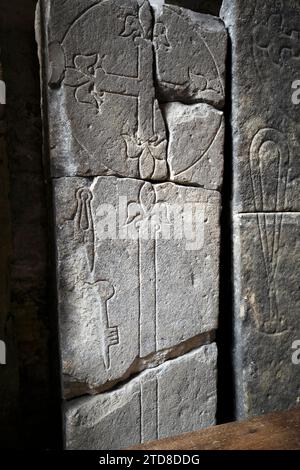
[[79, 17], [84, 225], [110, 333], [204, 153], [186, 83], [151, 245]]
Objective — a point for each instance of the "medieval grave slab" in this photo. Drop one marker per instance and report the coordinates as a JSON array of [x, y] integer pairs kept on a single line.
[[137, 252], [175, 397], [138, 273], [190, 51]]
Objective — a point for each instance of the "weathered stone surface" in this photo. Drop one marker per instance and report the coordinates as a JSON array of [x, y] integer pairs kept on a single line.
[[98, 78], [125, 296], [267, 303], [196, 144], [265, 58], [176, 397], [190, 50], [265, 121]]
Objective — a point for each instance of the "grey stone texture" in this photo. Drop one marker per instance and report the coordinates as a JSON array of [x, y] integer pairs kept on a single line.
[[190, 51], [103, 116], [196, 144], [265, 121], [137, 274], [266, 134], [175, 397], [267, 302]]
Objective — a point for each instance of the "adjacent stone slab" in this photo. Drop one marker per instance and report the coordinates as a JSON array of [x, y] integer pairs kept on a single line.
[[102, 115], [267, 303], [196, 144], [190, 51], [177, 397], [265, 60], [138, 273], [265, 121]]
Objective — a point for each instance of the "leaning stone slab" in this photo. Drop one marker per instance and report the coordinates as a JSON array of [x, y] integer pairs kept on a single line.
[[196, 144], [267, 303], [137, 269], [265, 112], [177, 397], [190, 51], [101, 115]]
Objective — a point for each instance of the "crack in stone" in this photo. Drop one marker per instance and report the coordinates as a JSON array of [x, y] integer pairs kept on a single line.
[[153, 182], [140, 365]]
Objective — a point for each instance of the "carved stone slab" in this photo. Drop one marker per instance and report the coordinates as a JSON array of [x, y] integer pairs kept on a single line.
[[267, 305], [196, 144], [102, 115], [190, 50], [138, 270], [177, 397], [265, 120], [265, 64]]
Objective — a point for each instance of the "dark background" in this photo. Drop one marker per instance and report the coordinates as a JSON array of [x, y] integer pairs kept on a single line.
[[29, 386]]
